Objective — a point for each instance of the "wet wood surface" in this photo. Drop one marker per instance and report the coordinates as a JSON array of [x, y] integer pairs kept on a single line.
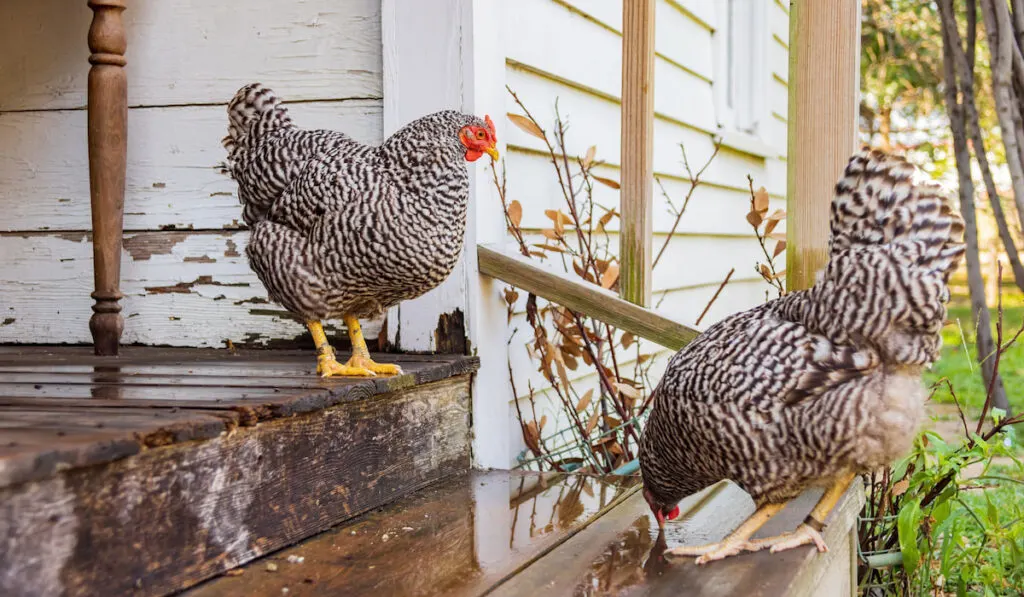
[[463, 536], [150, 472]]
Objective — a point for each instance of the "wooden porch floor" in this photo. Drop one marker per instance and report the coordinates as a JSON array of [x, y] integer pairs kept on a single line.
[[63, 408]]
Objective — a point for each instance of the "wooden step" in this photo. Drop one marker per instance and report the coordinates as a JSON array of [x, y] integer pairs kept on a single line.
[[514, 534], [147, 473], [463, 536]]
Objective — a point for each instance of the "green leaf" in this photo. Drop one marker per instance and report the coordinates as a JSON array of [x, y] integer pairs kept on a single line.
[[997, 415], [908, 524]]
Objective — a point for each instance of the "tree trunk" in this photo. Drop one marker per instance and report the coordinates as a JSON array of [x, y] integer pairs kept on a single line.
[[975, 282], [1001, 43], [963, 65]]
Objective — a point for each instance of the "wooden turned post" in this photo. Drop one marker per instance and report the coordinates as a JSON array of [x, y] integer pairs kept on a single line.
[[108, 149]]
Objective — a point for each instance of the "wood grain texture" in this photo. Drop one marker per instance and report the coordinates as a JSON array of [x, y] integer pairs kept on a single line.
[[196, 51], [636, 251], [108, 146], [153, 521], [180, 288], [172, 180], [824, 79], [580, 296]]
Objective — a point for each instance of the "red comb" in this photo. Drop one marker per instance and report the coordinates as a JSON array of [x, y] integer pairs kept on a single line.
[[490, 125]]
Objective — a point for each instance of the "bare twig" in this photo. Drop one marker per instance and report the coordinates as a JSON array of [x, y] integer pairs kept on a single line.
[[715, 296], [694, 183]]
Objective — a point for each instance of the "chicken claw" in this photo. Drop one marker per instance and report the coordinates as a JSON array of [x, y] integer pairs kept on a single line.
[[328, 366], [803, 535]]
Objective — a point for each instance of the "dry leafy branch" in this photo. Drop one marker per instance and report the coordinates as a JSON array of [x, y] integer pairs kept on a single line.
[[764, 227]]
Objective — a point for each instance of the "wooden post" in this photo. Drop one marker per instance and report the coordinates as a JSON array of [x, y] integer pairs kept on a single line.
[[824, 83], [635, 242], [108, 149]]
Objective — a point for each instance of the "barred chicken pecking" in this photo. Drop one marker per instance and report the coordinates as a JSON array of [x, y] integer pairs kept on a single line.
[[820, 385], [342, 229]]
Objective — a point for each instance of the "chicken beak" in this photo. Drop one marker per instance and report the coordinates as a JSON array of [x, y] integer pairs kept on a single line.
[[493, 152]]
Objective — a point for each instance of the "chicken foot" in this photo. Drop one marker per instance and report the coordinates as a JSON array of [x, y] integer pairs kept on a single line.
[[739, 540], [359, 364], [810, 529], [736, 542]]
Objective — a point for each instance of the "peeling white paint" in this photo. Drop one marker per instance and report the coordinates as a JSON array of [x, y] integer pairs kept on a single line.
[[225, 491]]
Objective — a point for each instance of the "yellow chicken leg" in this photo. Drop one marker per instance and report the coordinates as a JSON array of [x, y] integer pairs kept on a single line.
[[810, 529], [359, 365], [736, 542]]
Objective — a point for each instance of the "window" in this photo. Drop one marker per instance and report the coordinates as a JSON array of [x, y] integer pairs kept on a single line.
[[741, 65]]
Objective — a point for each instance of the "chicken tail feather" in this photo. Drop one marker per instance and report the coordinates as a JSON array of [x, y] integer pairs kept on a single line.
[[878, 203], [254, 111]]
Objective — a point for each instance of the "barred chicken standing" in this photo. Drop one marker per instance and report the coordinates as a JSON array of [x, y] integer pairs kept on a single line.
[[820, 385], [342, 229]]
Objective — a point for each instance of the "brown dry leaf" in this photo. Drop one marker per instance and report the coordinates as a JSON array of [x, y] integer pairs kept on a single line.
[[610, 275], [778, 236], [527, 125], [779, 274], [593, 421], [627, 390], [570, 361], [900, 487], [515, 212], [627, 340], [576, 267], [644, 358], [587, 489], [539, 254], [777, 215], [612, 422], [615, 448], [607, 182], [548, 247], [584, 401], [589, 158], [607, 217], [761, 201], [770, 226], [543, 420], [779, 247], [754, 219], [549, 233], [532, 437], [764, 271]]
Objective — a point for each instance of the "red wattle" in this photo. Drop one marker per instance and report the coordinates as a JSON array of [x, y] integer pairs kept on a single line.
[[674, 513], [473, 155]]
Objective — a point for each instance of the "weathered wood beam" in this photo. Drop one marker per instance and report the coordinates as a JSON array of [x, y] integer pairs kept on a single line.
[[636, 242], [108, 160], [824, 82], [582, 297]]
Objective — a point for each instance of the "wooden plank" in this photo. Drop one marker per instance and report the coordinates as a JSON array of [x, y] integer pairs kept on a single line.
[[580, 296], [824, 79], [437, 529], [181, 289], [167, 518], [197, 51], [172, 180], [636, 251], [622, 552]]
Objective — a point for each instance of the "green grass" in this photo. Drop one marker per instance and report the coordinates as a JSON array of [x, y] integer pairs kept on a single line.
[[961, 367]]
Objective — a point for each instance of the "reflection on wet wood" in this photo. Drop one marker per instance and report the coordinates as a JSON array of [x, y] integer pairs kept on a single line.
[[622, 553], [461, 537]]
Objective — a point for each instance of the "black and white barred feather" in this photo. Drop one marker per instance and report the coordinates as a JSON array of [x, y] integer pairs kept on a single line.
[[343, 228], [825, 381]]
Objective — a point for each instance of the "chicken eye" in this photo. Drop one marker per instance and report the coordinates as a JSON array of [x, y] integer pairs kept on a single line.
[[480, 135]]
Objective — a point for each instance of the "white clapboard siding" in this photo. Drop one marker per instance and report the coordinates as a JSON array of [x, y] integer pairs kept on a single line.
[[195, 51], [172, 157], [712, 210], [595, 121], [680, 36], [181, 289], [591, 57]]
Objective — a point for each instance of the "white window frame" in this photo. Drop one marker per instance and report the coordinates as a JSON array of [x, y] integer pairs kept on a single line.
[[740, 47]]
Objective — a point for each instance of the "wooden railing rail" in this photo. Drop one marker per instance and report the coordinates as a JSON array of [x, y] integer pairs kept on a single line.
[[558, 287]]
